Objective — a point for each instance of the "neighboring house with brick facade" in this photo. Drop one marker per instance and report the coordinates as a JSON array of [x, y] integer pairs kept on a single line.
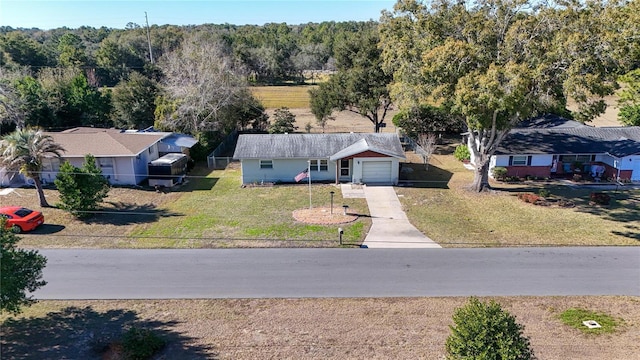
[[554, 146]]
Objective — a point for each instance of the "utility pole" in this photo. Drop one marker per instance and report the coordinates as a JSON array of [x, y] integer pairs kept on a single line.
[[148, 37]]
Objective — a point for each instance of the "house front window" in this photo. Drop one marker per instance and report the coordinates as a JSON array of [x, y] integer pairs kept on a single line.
[[266, 164], [105, 162], [319, 165], [577, 158], [519, 160]]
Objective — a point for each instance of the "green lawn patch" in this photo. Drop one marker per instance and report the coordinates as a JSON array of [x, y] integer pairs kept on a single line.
[[226, 215], [575, 318]]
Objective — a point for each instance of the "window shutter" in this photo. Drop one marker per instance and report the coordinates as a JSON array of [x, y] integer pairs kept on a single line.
[[529, 160], [510, 160]]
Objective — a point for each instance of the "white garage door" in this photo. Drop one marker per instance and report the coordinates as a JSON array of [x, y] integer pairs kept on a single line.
[[635, 175], [376, 172]]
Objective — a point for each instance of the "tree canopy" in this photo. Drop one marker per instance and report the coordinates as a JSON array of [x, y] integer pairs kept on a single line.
[[498, 62], [200, 87], [283, 122], [630, 99], [20, 272], [359, 85]]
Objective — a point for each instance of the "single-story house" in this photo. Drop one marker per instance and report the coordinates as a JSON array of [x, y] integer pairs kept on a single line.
[[122, 155], [551, 146], [355, 157]]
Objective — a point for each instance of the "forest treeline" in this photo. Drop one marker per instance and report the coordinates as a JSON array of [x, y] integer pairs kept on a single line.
[[191, 79], [270, 53]]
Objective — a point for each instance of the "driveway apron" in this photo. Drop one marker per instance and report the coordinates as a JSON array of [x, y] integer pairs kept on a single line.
[[390, 227]]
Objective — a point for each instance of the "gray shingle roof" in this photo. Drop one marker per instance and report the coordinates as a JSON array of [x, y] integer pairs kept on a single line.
[[309, 146], [617, 141]]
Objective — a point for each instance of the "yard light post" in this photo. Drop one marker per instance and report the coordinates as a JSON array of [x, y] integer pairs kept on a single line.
[[332, 192], [309, 178], [345, 207]]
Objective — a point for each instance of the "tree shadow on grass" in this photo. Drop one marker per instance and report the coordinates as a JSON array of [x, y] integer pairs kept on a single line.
[[198, 184], [127, 213], [83, 333], [418, 176], [623, 207]]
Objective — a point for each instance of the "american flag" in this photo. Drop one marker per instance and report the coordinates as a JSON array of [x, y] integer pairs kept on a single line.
[[301, 176]]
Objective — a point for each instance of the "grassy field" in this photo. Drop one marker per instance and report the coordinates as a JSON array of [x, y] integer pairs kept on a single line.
[[393, 328], [273, 97], [439, 205]]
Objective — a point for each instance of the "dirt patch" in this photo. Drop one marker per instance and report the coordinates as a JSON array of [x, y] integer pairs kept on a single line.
[[345, 121], [392, 328], [323, 216]]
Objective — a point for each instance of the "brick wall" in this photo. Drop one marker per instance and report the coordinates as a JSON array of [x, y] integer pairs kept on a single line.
[[524, 171]]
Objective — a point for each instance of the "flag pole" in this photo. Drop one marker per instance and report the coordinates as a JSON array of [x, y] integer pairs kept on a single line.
[[309, 177]]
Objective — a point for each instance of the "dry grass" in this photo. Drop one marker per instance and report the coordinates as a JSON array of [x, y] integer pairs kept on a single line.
[[345, 121], [273, 97], [395, 328], [455, 217]]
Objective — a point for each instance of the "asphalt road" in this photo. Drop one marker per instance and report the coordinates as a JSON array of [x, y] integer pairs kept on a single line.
[[295, 273]]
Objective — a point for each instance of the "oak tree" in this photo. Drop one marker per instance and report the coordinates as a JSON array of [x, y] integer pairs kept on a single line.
[[359, 85], [498, 62]]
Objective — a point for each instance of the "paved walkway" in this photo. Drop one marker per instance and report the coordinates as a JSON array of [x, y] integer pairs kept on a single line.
[[390, 227]]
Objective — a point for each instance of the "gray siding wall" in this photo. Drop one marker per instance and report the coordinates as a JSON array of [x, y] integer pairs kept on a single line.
[[284, 170]]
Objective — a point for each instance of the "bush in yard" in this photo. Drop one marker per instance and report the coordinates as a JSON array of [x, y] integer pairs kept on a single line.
[[600, 198], [462, 153], [81, 189], [500, 173], [141, 344], [528, 197], [544, 193], [483, 331]]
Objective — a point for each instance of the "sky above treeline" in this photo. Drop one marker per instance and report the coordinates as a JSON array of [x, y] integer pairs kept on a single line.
[[50, 14]]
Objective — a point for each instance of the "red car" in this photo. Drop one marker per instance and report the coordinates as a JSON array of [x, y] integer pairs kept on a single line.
[[21, 219]]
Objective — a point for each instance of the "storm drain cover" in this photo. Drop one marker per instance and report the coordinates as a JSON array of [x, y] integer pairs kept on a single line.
[[591, 324]]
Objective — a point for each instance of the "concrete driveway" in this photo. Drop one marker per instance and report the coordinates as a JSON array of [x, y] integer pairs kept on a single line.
[[390, 227]]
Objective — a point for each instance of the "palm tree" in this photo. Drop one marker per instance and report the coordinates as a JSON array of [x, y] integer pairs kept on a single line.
[[24, 150]]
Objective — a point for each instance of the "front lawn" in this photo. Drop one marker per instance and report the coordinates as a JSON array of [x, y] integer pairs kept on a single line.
[[228, 215], [210, 210], [455, 217]]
